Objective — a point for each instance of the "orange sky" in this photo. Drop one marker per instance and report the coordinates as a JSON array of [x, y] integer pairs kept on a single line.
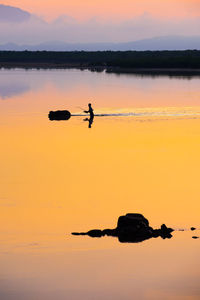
[[105, 8]]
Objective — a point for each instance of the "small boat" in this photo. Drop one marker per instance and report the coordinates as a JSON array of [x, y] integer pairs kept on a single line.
[[59, 115]]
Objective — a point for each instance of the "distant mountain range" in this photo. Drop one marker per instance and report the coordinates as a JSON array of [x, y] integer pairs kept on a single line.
[[16, 18], [13, 14], [157, 43]]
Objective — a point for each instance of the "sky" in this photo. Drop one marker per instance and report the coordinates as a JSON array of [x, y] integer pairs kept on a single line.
[[123, 9], [89, 21]]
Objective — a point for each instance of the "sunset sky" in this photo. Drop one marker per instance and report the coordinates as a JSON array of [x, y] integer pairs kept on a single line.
[[120, 8], [99, 21]]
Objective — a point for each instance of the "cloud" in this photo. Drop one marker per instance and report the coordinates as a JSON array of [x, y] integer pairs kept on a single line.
[[68, 29]]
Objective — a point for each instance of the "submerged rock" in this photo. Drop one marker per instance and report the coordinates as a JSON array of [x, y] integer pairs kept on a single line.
[[192, 228], [59, 115], [195, 237], [131, 228]]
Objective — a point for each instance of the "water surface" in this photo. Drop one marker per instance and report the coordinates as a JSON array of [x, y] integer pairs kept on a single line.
[[58, 177]]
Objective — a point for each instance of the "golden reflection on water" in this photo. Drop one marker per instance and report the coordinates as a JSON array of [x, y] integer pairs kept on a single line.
[[59, 177]]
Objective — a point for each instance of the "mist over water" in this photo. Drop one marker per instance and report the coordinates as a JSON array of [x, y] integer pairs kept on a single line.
[[141, 155]]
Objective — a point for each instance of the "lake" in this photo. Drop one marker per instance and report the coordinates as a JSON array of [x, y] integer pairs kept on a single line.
[[57, 177]]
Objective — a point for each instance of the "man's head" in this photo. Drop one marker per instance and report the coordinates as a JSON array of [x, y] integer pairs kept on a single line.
[[89, 104]]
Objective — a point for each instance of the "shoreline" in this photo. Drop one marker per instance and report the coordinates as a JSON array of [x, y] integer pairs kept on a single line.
[[110, 69]]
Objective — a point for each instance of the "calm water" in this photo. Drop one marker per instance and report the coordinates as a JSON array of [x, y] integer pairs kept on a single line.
[[59, 177]]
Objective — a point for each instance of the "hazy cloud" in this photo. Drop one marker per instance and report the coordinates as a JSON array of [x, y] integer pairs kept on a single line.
[[68, 29]]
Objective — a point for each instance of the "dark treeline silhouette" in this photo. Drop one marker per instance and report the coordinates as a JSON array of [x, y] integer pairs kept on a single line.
[[189, 59]]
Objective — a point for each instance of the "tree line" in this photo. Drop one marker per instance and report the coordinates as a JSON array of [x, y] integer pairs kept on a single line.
[[123, 59]]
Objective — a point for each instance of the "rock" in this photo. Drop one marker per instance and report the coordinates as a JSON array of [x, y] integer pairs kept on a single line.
[[135, 236], [132, 220], [195, 237], [79, 233], [131, 228], [59, 115], [165, 232], [192, 228], [91, 233], [95, 233], [110, 232]]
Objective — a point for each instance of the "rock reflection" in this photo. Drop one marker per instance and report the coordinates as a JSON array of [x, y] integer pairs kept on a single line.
[[131, 228]]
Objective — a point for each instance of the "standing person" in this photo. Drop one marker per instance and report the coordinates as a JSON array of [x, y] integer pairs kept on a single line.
[[91, 112]]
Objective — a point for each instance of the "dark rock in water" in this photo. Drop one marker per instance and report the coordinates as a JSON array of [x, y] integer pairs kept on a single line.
[[132, 220], [164, 232], [95, 233], [109, 232], [91, 233], [132, 228], [79, 233], [192, 228], [195, 237], [59, 115]]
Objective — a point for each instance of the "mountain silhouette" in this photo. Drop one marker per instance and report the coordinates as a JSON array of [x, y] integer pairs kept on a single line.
[[13, 14], [156, 43]]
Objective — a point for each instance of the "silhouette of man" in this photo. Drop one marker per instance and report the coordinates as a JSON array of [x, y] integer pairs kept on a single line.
[[91, 112]]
